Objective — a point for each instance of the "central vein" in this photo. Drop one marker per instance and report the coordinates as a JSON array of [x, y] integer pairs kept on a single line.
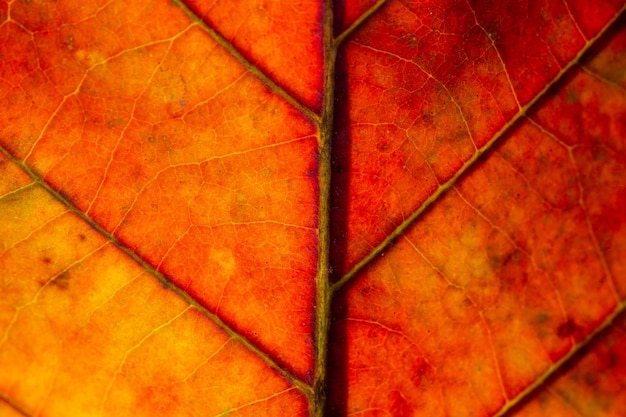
[[323, 292]]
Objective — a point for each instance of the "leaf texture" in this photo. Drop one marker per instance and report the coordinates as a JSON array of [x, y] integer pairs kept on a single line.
[[262, 208]]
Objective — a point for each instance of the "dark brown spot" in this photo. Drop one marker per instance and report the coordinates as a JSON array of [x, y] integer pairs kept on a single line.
[[568, 328], [82, 237], [46, 260], [61, 281], [382, 145], [365, 291]]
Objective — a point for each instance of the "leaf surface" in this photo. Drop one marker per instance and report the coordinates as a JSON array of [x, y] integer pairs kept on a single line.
[[366, 208]]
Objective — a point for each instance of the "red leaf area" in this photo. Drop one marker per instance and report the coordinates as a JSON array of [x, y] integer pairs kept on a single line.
[[265, 208]]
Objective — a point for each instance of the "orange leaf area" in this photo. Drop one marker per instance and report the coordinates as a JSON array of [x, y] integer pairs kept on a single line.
[[283, 39], [180, 161], [426, 93], [509, 271], [312, 208], [76, 308]]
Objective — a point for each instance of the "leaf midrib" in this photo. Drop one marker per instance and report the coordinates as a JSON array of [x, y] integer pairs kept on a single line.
[[324, 124]]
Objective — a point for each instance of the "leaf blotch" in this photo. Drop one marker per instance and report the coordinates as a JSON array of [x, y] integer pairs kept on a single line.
[[569, 328], [399, 405], [499, 261], [422, 375], [61, 281]]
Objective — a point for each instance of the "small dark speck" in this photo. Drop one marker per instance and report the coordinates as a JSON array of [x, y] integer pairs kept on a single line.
[[82, 237], [46, 260], [591, 379], [61, 282]]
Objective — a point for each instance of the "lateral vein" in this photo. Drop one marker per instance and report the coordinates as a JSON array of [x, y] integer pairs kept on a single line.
[[443, 188], [167, 283]]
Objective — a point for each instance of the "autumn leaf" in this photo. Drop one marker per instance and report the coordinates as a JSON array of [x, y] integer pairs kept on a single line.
[[303, 208]]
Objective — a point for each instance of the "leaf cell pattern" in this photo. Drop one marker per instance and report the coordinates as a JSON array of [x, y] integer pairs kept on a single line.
[[364, 208]]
